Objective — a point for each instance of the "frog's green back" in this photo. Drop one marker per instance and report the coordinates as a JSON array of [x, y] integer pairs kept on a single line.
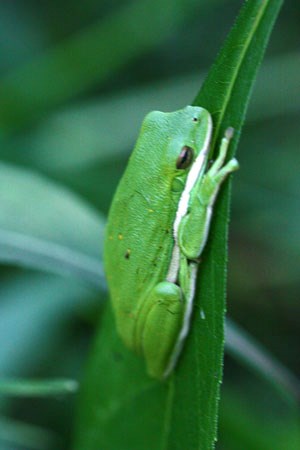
[[139, 239]]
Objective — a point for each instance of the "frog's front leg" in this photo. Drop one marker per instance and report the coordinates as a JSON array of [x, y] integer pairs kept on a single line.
[[160, 323], [194, 227]]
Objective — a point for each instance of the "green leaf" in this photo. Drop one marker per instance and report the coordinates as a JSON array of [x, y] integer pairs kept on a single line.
[[46, 227], [225, 93], [182, 412], [37, 388]]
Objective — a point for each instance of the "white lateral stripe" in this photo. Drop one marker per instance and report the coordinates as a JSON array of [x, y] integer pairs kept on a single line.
[[174, 265], [191, 180], [184, 202], [186, 323], [175, 260]]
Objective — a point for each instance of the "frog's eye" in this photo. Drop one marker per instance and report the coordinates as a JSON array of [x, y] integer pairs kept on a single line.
[[185, 158]]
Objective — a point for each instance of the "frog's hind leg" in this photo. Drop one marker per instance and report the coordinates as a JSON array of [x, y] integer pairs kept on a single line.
[[187, 281], [161, 326]]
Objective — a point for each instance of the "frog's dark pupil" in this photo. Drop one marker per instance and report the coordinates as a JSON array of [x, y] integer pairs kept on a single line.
[[185, 158]]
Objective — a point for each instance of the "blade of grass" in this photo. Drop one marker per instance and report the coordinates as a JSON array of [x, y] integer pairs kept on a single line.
[[37, 388], [28, 251], [181, 413], [46, 227], [225, 93]]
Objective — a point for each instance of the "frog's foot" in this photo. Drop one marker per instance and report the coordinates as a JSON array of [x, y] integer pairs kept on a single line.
[[194, 227], [218, 172]]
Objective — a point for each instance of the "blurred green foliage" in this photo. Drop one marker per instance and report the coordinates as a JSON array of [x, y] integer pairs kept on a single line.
[[75, 85]]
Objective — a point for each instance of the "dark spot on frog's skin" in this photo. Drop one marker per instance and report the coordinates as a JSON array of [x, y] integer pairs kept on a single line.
[[195, 260], [195, 119], [127, 254], [172, 312], [167, 231]]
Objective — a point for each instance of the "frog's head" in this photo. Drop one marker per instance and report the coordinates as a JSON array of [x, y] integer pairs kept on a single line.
[[172, 142]]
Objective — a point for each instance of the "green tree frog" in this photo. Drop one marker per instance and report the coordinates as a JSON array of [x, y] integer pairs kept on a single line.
[[157, 228]]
